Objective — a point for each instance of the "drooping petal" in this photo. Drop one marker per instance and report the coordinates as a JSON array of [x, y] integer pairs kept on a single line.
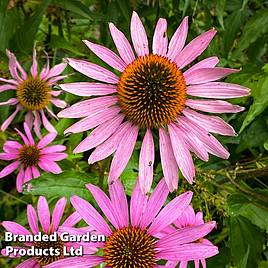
[[29, 119], [7, 87], [15, 228], [219, 90], [182, 154], [59, 103], [8, 156], [35, 172], [30, 263], [160, 40], [205, 75], [37, 123], [123, 47], [46, 123], [90, 215], [57, 214], [194, 48], [43, 213], [9, 169], [32, 219], [20, 179], [107, 56], [138, 35], [28, 174], [49, 166], [146, 162], [168, 161], [214, 106], [170, 212], [7, 122], [100, 134], [178, 39], [123, 154], [86, 89], [12, 147], [93, 71]]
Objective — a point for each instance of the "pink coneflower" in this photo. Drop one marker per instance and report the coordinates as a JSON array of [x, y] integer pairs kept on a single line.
[[34, 92], [135, 243], [187, 219], [29, 156], [49, 225], [153, 92]]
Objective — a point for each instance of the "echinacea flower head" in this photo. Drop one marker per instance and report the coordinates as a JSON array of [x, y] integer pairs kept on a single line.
[[189, 218], [153, 93], [48, 223], [29, 156], [133, 229], [34, 93]]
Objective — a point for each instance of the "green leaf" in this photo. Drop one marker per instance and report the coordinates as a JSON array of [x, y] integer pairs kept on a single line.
[[220, 5], [67, 183], [254, 28], [260, 101]]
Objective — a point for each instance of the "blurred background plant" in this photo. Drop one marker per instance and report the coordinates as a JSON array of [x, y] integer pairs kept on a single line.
[[233, 192]]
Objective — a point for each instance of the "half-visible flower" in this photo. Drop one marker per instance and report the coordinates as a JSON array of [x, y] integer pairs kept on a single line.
[[29, 156], [189, 219], [49, 224], [34, 92], [153, 92], [135, 242]]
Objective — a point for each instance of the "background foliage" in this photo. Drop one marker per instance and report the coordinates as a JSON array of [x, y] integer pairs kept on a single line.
[[233, 192]]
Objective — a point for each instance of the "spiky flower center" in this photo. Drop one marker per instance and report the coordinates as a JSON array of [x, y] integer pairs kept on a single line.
[[34, 93], [55, 251], [130, 247], [29, 155], [151, 91]]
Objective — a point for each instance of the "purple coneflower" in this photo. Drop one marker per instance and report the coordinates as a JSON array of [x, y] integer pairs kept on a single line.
[[49, 225], [34, 92], [133, 233], [153, 91], [29, 156]]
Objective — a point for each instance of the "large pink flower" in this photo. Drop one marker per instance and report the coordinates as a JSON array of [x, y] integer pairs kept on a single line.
[[49, 224], [29, 156], [136, 242], [153, 91], [34, 92]]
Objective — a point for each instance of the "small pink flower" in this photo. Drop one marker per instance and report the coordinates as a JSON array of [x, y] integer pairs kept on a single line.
[[136, 230], [186, 220], [29, 156], [49, 224], [153, 91], [34, 92]]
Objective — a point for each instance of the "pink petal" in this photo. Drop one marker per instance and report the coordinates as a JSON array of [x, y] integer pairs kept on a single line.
[[9, 169], [49, 166], [13, 65], [194, 48], [12, 147], [45, 70], [7, 87], [9, 81], [15, 228], [11, 101], [123, 154], [43, 213], [28, 134], [119, 201], [93, 71], [20, 180], [111, 144], [170, 212], [90, 215], [86, 89], [187, 218], [37, 123], [205, 75], [218, 90], [30, 263], [99, 134], [34, 65], [88, 107], [155, 203], [93, 120], [73, 219], [105, 204], [32, 219], [46, 140], [107, 56], [47, 124], [214, 106], [59, 103], [29, 119], [8, 156], [138, 204], [56, 93], [56, 70], [123, 47], [146, 162], [57, 214], [138, 35], [168, 161], [28, 174], [212, 124], [182, 154], [160, 40], [53, 149], [52, 81], [7, 122], [210, 62], [54, 156], [199, 218], [178, 39]]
